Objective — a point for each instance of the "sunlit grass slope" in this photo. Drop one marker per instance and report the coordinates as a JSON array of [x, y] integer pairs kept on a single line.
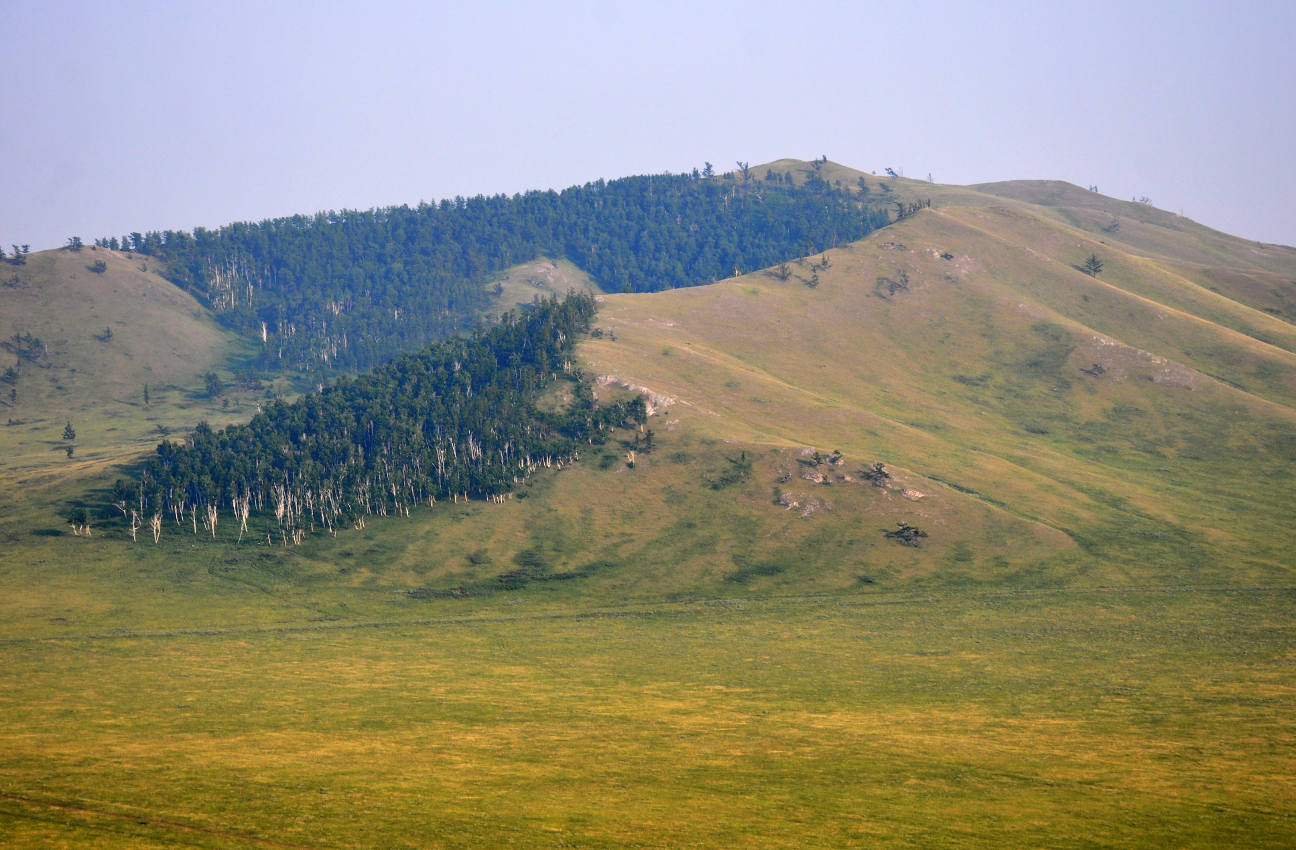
[[1137, 413], [104, 337], [543, 278], [1259, 275], [1143, 228]]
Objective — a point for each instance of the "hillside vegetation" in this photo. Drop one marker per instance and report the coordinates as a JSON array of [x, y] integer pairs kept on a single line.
[[931, 538], [83, 346], [1146, 418], [461, 418], [346, 291]]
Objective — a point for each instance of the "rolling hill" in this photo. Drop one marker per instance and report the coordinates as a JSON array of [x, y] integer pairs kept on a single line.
[[701, 634], [964, 344], [91, 342]]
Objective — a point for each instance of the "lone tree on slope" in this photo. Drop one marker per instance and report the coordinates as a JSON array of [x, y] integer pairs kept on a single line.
[[1093, 266]]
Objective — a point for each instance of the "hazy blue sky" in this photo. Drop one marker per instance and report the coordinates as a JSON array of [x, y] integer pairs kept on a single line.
[[125, 116]]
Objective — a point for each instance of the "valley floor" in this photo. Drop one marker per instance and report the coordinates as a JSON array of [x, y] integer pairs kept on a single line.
[[1153, 716]]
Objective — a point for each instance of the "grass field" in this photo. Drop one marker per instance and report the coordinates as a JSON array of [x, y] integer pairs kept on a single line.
[[521, 284], [718, 647], [1118, 718], [717, 672]]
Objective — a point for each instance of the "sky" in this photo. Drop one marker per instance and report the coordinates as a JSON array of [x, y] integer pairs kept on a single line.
[[136, 116]]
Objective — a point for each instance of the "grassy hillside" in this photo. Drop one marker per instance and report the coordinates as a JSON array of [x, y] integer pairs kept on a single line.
[[706, 639], [1256, 274], [103, 337], [973, 376], [522, 284], [1143, 227]]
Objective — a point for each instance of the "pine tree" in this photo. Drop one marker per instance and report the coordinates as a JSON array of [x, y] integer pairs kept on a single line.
[[69, 433]]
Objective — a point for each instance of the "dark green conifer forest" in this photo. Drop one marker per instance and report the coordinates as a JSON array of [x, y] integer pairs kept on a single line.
[[459, 418], [340, 292]]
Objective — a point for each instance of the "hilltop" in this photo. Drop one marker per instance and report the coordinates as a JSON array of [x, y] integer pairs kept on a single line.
[[1111, 427]]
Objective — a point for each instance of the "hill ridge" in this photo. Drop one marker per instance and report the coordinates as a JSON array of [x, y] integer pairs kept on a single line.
[[1276, 324]]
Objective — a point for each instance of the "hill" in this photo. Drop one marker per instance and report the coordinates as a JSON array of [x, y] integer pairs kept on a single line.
[[1078, 630], [965, 345], [85, 344]]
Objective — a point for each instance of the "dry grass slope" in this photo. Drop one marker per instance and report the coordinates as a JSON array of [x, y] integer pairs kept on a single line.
[[542, 278], [966, 346]]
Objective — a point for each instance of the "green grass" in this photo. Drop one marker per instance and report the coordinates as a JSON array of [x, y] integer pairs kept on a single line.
[[542, 278], [684, 520], [718, 671], [1122, 718]]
